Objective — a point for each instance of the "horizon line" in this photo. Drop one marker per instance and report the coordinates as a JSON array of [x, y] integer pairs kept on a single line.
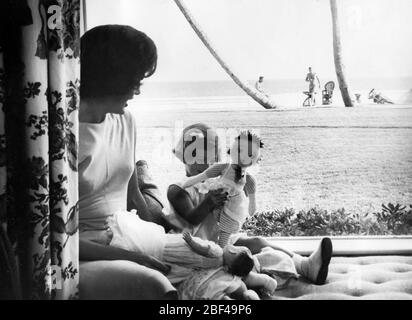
[[274, 79]]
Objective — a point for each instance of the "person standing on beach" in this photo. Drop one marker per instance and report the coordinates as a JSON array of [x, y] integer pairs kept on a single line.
[[311, 77]]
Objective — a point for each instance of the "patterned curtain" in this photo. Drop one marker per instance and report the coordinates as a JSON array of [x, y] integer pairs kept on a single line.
[[39, 100]]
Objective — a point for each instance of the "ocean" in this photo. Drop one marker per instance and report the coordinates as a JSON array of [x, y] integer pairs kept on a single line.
[[154, 90]]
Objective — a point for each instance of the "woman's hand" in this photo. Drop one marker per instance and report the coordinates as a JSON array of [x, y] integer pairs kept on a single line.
[[185, 208], [217, 197]]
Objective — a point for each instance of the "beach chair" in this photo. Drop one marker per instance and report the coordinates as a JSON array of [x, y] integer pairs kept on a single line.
[[327, 93], [307, 101], [379, 98]]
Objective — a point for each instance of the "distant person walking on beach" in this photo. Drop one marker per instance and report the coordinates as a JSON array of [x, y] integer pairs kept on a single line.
[[259, 86], [311, 77]]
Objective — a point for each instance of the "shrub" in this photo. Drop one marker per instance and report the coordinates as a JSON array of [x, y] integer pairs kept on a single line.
[[396, 218], [392, 220]]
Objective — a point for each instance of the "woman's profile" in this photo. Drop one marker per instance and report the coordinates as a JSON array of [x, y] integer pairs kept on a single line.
[[115, 59]]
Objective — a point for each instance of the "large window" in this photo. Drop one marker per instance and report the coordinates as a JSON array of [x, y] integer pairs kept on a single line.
[[326, 169]]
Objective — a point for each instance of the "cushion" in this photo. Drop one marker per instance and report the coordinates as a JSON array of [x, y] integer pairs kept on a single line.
[[367, 278], [122, 280]]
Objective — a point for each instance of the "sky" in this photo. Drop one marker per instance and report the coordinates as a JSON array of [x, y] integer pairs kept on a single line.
[[275, 38]]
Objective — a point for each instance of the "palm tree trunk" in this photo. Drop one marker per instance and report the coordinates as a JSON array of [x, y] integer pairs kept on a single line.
[[337, 51], [252, 92]]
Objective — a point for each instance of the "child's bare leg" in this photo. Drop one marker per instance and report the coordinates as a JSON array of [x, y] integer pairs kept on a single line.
[[256, 244], [314, 268]]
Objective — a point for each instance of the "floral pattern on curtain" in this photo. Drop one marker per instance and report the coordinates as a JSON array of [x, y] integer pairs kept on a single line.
[[39, 100]]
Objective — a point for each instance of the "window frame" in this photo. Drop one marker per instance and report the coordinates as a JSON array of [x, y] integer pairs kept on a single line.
[[342, 245], [349, 245]]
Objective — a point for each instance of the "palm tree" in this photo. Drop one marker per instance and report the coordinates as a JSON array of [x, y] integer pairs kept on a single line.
[[262, 99], [337, 51]]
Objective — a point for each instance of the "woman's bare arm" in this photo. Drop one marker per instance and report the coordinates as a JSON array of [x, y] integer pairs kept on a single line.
[[135, 199], [190, 181], [90, 251], [184, 207], [212, 172]]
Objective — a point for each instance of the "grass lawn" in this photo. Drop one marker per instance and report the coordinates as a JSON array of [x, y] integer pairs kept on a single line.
[[333, 157]]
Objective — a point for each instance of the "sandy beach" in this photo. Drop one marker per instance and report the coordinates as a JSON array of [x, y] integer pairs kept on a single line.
[[327, 156]]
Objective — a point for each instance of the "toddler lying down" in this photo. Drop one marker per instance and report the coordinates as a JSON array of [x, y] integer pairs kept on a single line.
[[185, 254]]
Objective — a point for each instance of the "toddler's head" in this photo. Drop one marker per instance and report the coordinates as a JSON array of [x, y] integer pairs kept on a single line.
[[238, 260], [245, 150]]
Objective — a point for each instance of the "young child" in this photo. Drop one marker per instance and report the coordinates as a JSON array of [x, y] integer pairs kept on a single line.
[[240, 185], [183, 252], [217, 284], [239, 287]]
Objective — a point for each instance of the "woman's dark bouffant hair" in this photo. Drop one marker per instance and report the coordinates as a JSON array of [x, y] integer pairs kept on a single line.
[[114, 59]]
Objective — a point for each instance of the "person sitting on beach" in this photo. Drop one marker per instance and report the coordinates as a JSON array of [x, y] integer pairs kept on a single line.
[[379, 98], [259, 86], [311, 77], [192, 209], [239, 184]]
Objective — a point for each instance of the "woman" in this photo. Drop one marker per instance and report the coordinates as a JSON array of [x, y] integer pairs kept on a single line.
[[192, 209], [115, 59]]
